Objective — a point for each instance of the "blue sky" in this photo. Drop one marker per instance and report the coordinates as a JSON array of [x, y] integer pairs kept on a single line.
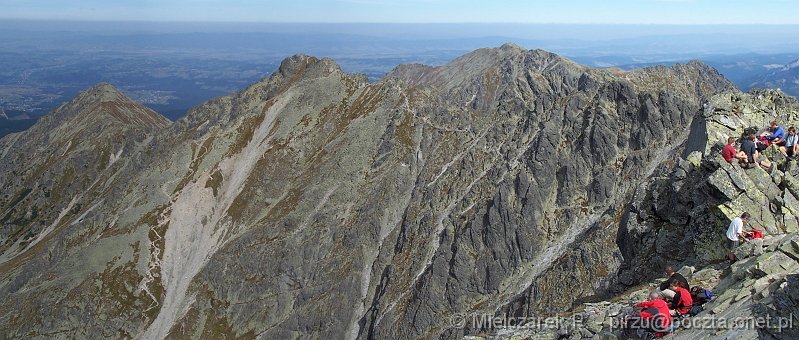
[[414, 11]]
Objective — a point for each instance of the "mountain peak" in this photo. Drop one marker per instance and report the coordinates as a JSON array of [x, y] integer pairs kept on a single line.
[[699, 65], [301, 63], [495, 53], [103, 103], [509, 46], [293, 64], [293, 69], [495, 64], [103, 92]]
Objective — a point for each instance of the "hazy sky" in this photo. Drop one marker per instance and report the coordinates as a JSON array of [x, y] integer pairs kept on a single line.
[[414, 11]]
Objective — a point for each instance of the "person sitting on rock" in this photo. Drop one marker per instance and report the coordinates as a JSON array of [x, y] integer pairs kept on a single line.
[[735, 232], [791, 146], [654, 315], [671, 277], [775, 133], [749, 148], [682, 302], [729, 152]]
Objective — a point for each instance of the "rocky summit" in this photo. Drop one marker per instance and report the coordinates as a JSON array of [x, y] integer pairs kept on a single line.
[[314, 204], [679, 216]]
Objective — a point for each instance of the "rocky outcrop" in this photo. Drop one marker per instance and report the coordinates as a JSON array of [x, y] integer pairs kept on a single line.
[[314, 203], [754, 298], [680, 215]]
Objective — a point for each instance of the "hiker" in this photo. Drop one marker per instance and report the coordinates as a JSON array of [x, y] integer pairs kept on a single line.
[[729, 152], [671, 277], [735, 232], [791, 146], [682, 302], [749, 147], [654, 316], [775, 133]]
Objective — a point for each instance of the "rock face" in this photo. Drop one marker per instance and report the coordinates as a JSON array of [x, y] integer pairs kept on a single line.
[[679, 216], [315, 204]]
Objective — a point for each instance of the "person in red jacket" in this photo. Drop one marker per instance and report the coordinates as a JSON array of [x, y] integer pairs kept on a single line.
[[655, 315], [682, 301], [729, 152]]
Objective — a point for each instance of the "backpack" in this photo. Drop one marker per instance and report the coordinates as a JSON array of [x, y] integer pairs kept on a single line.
[[700, 296], [762, 144], [757, 234]]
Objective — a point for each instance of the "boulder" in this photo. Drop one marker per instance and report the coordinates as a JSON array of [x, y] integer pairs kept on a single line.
[[613, 310], [774, 263], [792, 184], [762, 283], [708, 274], [695, 158], [781, 308], [757, 246], [687, 271], [720, 180], [770, 240], [777, 177], [791, 248], [741, 268]]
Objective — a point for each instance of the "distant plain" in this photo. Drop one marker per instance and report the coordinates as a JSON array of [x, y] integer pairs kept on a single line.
[[172, 67]]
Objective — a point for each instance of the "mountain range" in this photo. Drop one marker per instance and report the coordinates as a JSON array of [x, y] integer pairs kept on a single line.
[[784, 77], [178, 66], [314, 203]]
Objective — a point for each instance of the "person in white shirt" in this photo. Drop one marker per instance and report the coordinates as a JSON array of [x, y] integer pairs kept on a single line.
[[791, 146], [735, 232]]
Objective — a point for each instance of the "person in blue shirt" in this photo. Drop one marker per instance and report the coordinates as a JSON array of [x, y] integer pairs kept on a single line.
[[775, 134]]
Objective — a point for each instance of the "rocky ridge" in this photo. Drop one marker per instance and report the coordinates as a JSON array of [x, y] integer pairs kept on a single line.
[[694, 196], [757, 297], [667, 224], [72, 152], [314, 203]]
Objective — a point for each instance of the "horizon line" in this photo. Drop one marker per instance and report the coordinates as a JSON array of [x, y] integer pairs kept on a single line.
[[72, 20]]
